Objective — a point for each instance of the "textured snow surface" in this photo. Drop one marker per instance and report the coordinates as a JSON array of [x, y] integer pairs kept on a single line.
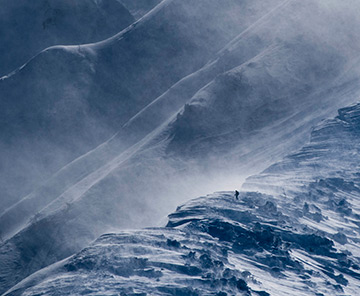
[[295, 233]]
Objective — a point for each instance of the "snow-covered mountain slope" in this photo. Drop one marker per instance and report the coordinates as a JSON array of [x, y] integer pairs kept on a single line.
[[264, 91], [27, 27], [297, 234], [69, 99]]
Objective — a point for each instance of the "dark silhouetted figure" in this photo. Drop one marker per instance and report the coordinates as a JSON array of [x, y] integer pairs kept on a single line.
[[236, 194]]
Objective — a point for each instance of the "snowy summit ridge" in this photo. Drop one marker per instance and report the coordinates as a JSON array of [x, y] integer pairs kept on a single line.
[[296, 233]]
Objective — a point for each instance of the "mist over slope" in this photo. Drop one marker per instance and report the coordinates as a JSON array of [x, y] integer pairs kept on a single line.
[[296, 234], [28, 27], [69, 99]]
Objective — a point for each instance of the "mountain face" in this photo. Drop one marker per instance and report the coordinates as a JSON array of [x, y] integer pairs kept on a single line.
[[28, 27], [191, 98], [68, 99], [296, 234]]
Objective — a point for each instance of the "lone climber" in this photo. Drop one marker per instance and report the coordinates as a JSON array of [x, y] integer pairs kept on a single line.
[[236, 194]]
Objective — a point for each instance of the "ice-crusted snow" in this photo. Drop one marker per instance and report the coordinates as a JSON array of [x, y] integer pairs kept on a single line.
[[293, 231]]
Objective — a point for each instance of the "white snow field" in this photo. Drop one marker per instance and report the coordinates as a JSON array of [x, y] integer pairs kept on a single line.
[[297, 234], [193, 97]]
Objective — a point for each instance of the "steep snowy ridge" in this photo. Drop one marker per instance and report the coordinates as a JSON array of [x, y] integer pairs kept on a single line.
[[297, 234]]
